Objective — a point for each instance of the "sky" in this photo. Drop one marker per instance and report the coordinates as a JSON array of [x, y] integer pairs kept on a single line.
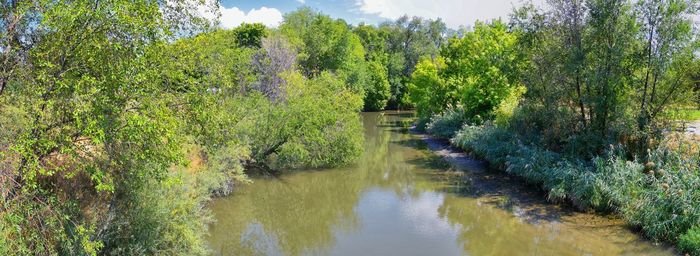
[[454, 13]]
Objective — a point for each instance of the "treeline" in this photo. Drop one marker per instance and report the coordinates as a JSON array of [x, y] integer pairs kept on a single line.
[[375, 60], [579, 99], [120, 119]]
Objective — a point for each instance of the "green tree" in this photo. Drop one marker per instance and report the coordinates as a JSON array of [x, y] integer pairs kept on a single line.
[[378, 88], [668, 52], [408, 40], [429, 91], [98, 123], [328, 45], [377, 92], [250, 35], [324, 44], [484, 68]]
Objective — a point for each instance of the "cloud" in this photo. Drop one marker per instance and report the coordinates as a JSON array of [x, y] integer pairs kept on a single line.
[[233, 17], [453, 12], [301, 1]]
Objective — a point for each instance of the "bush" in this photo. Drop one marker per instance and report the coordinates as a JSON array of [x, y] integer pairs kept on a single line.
[[226, 168], [666, 200], [160, 217], [690, 241], [445, 125], [660, 196]]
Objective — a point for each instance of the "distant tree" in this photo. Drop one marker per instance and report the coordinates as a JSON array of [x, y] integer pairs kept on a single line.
[[250, 35], [377, 92], [428, 90], [408, 40], [484, 68], [275, 58]]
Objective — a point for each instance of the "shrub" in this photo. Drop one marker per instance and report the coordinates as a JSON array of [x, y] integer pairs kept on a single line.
[[226, 166], [660, 196], [445, 125], [690, 241], [160, 217]]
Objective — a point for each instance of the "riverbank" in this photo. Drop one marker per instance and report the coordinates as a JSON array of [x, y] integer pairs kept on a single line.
[[530, 203], [658, 197]]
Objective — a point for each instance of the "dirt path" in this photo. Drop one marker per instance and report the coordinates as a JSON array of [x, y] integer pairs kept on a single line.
[[693, 127]]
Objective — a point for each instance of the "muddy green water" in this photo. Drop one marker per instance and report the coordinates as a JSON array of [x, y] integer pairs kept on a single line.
[[403, 199]]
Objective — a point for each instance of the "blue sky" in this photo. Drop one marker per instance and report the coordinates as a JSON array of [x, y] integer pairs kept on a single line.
[[454, 12]]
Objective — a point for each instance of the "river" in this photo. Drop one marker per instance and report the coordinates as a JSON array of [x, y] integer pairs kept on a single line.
[[402, 197]]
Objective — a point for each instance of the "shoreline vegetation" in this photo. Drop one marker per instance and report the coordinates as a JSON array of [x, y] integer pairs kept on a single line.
[[552, 184], [581, 101], [120, 120]]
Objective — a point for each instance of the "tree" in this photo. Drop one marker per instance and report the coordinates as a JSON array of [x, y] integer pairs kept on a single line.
[[324, 44], [429, 91], [408, 40], [275, 58], [250, 35], [98, 125], [484, 67], [377, 89], [377, 92], [327, 45], [666, 30]]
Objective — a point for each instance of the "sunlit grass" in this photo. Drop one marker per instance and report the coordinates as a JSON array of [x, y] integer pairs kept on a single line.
[[685, 114]]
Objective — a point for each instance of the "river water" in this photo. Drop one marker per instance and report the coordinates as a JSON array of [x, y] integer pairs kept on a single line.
[[402, 198]]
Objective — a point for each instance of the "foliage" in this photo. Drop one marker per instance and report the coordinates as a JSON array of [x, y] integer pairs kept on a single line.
[[377, 92], [250, 35], [275, 58], [408, 40], [325, 44], [478, 73], [108, 103], [320, 130], [446, 124], [328, 45], [428, 91], [600, 61], [657, 196], [374, 40], [690, 241], [160, 217], [483, 67], [576, 100]]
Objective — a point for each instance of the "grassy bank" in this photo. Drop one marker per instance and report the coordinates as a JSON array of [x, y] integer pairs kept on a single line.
[[659, 196]]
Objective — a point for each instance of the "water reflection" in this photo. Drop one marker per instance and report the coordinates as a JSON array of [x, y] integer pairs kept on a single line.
[[399, 199]]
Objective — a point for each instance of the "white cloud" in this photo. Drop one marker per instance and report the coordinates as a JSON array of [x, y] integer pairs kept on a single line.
[[301, 1], [453, 12], [233, 17]]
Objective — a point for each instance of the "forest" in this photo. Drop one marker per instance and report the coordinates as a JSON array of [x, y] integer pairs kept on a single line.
[[121, 120]]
